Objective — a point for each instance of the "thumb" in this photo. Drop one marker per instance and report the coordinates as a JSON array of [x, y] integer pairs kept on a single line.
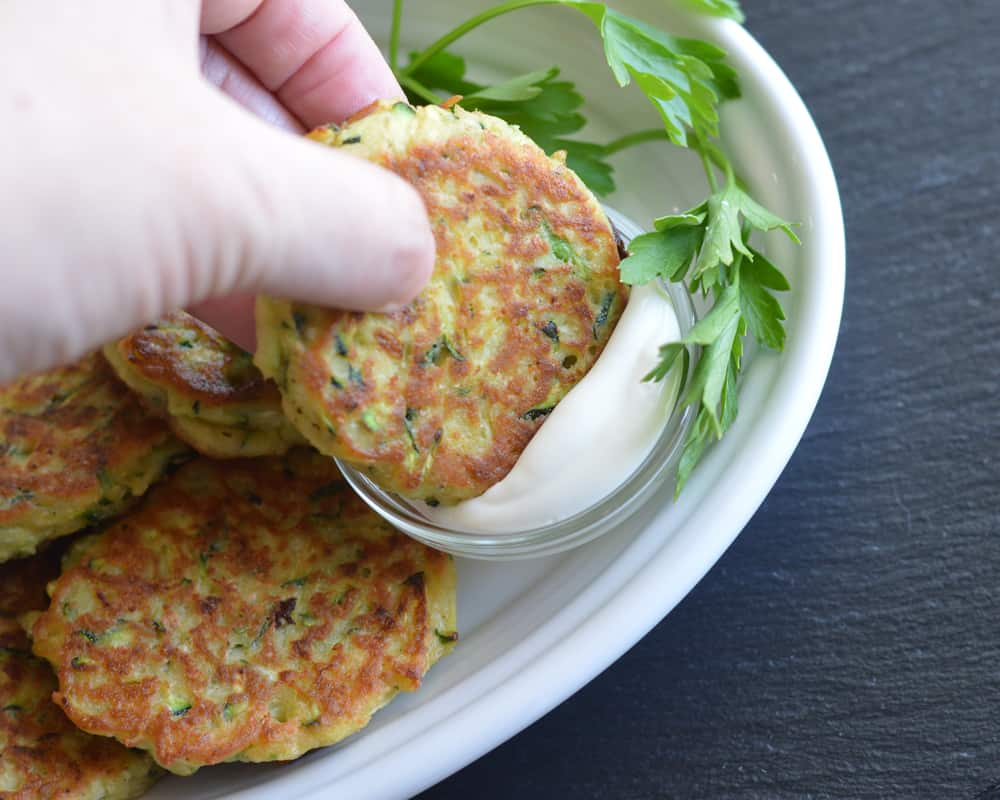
[[293, 218], [151, 223]]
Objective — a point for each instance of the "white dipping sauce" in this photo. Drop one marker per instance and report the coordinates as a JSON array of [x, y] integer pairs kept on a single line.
[[595, 437]]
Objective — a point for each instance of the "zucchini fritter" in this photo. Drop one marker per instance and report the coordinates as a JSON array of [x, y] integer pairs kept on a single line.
[[206, 387], [42, 754], [75, 448], [250, 610], [437, 400]]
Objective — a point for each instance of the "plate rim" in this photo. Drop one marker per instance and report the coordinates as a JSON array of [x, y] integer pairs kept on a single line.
[[627, 613]]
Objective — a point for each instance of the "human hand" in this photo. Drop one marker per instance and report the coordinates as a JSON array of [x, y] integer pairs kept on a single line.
[[131, 186]]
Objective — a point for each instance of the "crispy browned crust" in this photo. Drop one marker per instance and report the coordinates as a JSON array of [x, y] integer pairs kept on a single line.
[[75, 448], [524, 321], [222, 375], [249, 610], [205, 387]]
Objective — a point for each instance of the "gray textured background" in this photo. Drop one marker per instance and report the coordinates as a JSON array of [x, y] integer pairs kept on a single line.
[[848, 644]]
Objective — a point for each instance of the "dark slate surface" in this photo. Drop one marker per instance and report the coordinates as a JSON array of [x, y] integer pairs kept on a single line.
[[848, 644]]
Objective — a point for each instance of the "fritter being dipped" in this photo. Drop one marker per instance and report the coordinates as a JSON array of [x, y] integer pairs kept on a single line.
[[437, 400]]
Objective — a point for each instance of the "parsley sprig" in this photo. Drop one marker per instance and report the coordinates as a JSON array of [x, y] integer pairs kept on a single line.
[[707, 247]]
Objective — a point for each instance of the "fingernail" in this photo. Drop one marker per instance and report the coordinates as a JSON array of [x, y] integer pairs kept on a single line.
[[391, 308]]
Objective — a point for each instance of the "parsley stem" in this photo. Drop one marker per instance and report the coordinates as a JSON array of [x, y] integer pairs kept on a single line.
[[708, 149], [397, 21], [417, 88], [706, 160], [470, 24], [722, 162], [631, 139]]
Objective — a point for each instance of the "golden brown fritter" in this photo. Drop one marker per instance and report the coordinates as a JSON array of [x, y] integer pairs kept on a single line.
[[249, 611], [437, 400], [75, 448], [206, 387], [42, 754]]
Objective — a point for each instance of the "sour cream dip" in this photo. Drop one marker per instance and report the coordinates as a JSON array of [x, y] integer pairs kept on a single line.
[[595, 437]]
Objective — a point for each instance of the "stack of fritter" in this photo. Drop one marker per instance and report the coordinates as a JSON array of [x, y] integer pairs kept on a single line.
[[249, 607], [243, 610]]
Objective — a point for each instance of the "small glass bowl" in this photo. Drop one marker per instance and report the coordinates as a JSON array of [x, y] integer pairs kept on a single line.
[[601, 517]]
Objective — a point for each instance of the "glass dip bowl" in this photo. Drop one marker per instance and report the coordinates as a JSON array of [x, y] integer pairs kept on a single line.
[[659, 465]]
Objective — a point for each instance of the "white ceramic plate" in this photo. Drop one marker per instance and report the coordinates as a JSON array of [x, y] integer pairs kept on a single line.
[[534, 632]]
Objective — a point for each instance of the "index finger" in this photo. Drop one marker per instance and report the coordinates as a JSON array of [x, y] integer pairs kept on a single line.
[[315, 55]]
